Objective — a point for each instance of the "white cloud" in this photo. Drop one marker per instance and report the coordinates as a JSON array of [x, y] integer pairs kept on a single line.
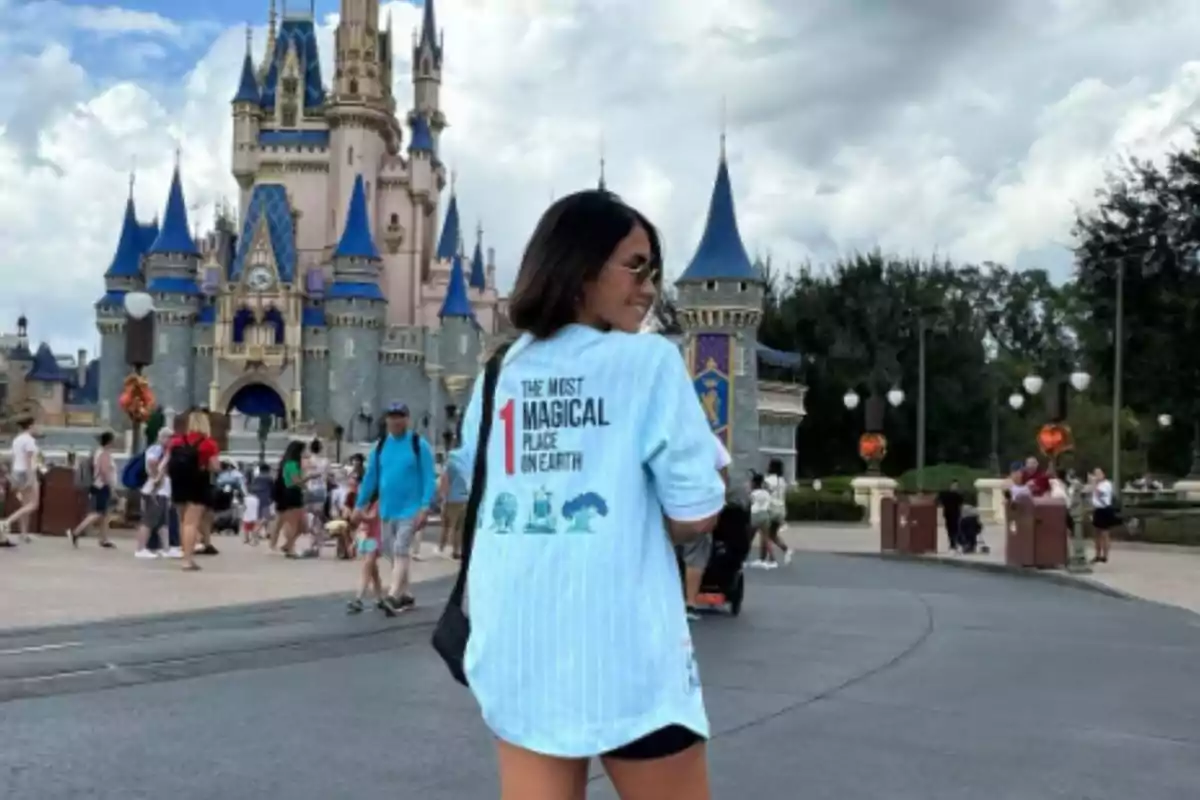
[[978, 144]]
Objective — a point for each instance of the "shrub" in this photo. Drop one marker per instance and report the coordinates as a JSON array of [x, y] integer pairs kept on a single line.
[[812, 506], [834, 484], [1162, 526]]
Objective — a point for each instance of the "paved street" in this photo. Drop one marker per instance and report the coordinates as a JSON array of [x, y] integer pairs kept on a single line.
[[845, 678]]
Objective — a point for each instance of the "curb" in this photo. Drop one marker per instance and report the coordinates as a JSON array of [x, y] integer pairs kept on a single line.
[[1060, 578]]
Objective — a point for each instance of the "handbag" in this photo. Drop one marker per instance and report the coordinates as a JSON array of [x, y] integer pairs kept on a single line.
[[454, 627]]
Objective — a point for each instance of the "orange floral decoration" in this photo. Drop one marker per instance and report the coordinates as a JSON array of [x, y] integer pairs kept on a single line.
[[1054, 439], [137, 400], [872, 446]]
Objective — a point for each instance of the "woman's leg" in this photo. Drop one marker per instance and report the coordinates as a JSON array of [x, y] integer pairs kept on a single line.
[[682, 776], [190, 517], [525, 775]]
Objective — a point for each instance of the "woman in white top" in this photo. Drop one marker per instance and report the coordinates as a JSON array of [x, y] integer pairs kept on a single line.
[[1104, 515], [776, 487], [24, 480]]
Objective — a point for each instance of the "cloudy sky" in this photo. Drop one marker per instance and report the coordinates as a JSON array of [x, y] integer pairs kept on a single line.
[[970, 128]]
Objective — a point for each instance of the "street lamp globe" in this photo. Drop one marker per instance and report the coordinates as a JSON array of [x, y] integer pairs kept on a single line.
[[895, 397], [850, 399], [1032, 384], [138, 305], [1080, 380], [1164, 420], [1016, 400]]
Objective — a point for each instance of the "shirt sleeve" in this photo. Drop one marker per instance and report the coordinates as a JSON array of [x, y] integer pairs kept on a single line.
[[429, 478], [678, 441], [723, 457], [208, 449], [462, 460]]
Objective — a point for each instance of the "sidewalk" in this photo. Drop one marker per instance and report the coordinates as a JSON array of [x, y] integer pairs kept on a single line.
[[1160, 573], [47, 582]]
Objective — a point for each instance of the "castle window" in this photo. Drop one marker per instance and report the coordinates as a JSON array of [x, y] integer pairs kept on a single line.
[[743, 286], [350, 156], [710, 286], [464, 344], [289, 86], [353, 86], [394, 219], [288, 115], [739, 359]]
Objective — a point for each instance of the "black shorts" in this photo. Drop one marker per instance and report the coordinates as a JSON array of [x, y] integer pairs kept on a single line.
[[99, 498], [668, 741]]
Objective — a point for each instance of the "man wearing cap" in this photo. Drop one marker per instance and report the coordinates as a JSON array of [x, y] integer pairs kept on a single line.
[[400, 474]]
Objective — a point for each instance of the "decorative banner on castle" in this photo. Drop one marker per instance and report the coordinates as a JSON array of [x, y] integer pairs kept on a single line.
[[712, 358]]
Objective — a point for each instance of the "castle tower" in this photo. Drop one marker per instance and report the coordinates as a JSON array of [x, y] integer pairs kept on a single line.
[[427, 58], [363, 128], [354, 312], [720, 308], [171, 270], [478, 279], [247, 119], [459, 346], [450, 241], [124, 274]]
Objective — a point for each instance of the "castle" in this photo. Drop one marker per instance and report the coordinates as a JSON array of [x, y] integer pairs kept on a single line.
[[332, 296]]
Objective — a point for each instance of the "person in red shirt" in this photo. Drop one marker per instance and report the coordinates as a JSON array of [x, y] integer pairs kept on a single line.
[[1036, 478], [193, 458]]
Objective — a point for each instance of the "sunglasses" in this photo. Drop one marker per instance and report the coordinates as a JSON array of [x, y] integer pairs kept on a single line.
[[645, 270]]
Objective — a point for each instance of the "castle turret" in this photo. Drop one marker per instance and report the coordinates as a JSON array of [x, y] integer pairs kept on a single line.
[[171, 268], [720, 307], [247, 117], [458, 346], [450, 240], [354, 312], [478, 279], [124, 274], [427, 73]]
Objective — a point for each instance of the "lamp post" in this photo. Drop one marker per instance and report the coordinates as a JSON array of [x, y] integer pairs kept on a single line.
[[1054, 439], [872, 444], [338, 433]]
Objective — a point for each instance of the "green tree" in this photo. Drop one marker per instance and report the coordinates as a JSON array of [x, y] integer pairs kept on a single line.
[[1145, 231]]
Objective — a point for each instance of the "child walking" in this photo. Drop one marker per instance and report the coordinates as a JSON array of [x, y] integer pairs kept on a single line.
[[369, 538], [760, 521]]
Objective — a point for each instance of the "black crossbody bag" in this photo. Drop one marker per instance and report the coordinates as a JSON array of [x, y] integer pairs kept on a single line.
[[454, 627]]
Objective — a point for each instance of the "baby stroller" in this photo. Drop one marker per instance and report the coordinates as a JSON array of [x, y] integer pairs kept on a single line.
[[226, 508], [724, 582]]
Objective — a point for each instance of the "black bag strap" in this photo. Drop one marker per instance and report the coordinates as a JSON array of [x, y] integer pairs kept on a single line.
[[491, 375]]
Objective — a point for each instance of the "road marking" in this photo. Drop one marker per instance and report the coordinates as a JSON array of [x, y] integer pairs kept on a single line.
[[40, 648]]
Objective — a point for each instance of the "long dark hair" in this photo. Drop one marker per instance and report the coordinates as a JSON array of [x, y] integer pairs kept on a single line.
[[571, 244], [293, 452]]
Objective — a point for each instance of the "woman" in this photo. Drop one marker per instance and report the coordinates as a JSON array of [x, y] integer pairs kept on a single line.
[[102, 481], [776, 486], [193, 460], [1104, 514], [289, 503], [579, 644]]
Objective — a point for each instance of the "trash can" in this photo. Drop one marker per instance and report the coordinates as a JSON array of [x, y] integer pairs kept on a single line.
[[1050, 547], [887, 524], [1019, 542], [916, 525]]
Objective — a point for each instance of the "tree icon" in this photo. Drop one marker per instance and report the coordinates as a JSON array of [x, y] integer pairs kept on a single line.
[[582, 510]]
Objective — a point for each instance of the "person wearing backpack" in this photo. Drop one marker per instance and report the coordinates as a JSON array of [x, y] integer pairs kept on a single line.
[[193, 458], [400, 475], [98, 473]]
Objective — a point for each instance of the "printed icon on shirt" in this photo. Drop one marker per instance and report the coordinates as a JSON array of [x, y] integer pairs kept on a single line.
[[504, 512], [693, 673], [541, 515], [581, 510]]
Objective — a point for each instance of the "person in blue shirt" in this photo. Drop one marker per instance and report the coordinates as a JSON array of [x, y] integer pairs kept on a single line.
[[400, 474], [600, 459], [453, 493]]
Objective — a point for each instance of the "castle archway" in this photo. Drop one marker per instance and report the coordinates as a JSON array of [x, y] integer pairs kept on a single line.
[[253, 397]]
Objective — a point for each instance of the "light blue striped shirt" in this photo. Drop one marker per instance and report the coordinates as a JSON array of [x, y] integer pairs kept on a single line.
[[579, 640]]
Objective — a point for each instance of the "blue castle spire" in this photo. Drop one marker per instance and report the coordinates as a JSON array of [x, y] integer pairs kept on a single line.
[[174, 235], [356, 241], [448, 243], [478, 278], [456, 304], [721, 254], [429, 33], [127, 260], [248, 91]]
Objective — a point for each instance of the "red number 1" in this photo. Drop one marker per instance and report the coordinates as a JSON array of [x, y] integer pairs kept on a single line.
[[510, 444]]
